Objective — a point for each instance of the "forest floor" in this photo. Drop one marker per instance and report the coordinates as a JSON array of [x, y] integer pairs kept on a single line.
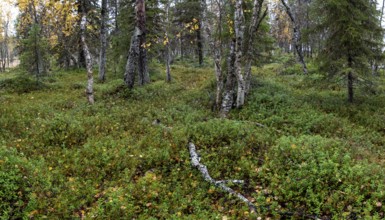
[[126, 157]]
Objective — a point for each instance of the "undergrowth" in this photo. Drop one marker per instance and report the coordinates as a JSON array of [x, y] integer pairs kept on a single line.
[[300, 147]]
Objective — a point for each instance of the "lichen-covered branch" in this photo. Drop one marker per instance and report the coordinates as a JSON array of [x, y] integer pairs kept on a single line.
[[195, 161]]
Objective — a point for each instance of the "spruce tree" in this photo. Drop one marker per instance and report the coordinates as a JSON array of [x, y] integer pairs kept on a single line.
[[35, 52], [352, 35], [188, 13]]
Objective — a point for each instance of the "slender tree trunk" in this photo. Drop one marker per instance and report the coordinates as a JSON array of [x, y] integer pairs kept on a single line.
[[181, 46], [37, 54], [129, 75], [103, 42], [81, 54], [144, 76], [90, 83], [219, 76], [200, 44], [168, 59], [382, 12], [296, 37], [229, 93], [6, 26], [138, 53], [2, 57], [216, 47], [255, 23], [350, 81], [168, 49], [142, 58], [239, 35], [116, 6]]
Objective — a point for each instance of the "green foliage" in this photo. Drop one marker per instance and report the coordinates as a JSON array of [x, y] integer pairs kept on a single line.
[[61, 130], [318, 175], [18, 179], [21, 84], [35, 57], [353, 37], [121, 38], [126, 156]]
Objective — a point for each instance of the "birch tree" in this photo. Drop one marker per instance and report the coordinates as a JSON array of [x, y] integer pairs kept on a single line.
[[296, 36], [231, 88], [215, 46], [239, 27], [4, 43], [255, 23], [90, 82]]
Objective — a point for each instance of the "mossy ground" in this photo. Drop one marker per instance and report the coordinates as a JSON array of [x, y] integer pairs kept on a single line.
[[61, 158]]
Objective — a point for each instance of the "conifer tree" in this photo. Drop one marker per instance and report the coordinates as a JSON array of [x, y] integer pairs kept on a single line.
[[352, 31], [35, 57], [190, 12]]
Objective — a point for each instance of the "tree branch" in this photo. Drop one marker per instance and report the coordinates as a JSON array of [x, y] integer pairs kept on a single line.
[[195, 161]]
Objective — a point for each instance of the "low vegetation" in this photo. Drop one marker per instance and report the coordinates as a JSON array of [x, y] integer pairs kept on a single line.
[[302, 149]]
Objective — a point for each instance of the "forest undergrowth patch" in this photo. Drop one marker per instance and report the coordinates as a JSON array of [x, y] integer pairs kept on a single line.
[[127, 157]]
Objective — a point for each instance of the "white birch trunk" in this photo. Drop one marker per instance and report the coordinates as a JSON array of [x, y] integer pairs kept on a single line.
[[296, 37], [90, 83], [216, 47], [256, 20], [228, 97], [239, 35]]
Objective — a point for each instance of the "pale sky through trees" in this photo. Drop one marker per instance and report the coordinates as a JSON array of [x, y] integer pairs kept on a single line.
[[9, 6]]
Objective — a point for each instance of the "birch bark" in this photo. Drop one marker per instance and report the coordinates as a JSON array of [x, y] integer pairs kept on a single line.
[[253, 28], [229, 92], [90, 82], [216, 47], [239, 35], [296, 37]]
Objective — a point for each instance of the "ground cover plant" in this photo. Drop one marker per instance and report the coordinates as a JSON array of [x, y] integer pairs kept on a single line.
[[302, 150]]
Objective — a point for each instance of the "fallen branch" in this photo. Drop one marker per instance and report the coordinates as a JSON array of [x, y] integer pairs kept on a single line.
[[230, 181], [195, 161]]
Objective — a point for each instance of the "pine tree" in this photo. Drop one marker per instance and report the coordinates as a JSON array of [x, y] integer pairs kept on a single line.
[[352, 31]]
